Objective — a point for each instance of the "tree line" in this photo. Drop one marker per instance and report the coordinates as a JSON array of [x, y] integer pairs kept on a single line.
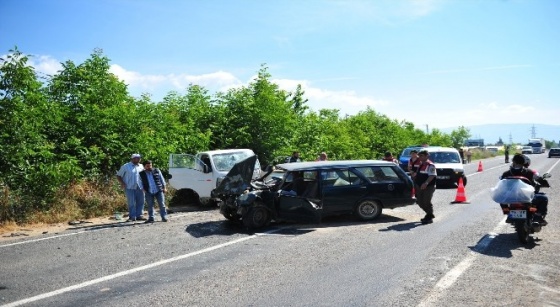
[[78, 126]]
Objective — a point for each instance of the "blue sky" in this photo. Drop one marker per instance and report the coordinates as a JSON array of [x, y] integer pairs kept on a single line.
[[441, 63]]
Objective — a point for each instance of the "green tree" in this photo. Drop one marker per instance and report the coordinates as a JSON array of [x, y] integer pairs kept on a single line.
[[101, 120], [459, 136], [259, 116]]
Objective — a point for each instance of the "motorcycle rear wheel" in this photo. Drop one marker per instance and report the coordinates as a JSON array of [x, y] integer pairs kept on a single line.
[[522, 232]]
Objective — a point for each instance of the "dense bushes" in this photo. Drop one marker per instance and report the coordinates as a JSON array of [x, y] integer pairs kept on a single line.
[[63, 137]]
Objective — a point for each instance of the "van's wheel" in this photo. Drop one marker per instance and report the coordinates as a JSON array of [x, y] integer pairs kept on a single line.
[[256, 217], [184, 197], [368, 209], [464, 181]]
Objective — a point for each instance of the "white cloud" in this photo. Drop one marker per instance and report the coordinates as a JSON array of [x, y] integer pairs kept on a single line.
[[348, 102], [43, 64], [217, 81], [470, 115]]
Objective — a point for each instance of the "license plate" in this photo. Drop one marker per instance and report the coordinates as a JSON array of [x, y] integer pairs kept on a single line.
[[442, 177], [518, 214]]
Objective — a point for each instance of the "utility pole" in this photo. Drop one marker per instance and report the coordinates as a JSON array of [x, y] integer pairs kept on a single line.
[[427, 131], [533, 132]]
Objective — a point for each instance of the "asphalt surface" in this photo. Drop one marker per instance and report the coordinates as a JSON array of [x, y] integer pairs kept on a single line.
[[467, 257]]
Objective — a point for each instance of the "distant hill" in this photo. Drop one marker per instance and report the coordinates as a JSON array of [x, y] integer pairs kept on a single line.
[[514, 133]]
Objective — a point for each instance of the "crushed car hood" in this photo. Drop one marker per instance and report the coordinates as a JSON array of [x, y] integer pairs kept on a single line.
[[238, 178]]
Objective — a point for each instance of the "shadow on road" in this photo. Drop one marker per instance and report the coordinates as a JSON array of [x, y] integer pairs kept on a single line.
[[228, 228], [402, 227], [503, 244]]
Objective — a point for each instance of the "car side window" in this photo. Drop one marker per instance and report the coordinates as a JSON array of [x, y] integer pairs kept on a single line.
[[379, 173], [328, 178], [367, 172]]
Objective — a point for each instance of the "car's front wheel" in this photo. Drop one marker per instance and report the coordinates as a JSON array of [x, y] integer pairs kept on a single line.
[[368, 209], [256, 217]]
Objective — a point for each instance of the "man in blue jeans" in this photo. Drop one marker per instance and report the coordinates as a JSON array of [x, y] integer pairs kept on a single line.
[[154, 188], [129, 178]]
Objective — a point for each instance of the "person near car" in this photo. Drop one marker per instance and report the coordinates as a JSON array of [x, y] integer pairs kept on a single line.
[[129, 178], [425, 186], [413, 163], [506, 154], [520, 167], [294, 157], [154, 189], [389, 157], [322, 157], [462, 155], [469, 155]]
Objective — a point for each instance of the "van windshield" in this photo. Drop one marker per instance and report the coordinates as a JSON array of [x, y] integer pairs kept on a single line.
[[225, 161]]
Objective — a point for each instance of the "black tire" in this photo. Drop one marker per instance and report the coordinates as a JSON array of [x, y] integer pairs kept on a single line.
[[231, 215], [209, 203], [464, 181], [368, 209], [256, 217], [522, 232], [184, 197]]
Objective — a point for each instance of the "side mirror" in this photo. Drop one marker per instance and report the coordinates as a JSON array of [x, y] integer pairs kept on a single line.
[[207, 169], [546, 175]]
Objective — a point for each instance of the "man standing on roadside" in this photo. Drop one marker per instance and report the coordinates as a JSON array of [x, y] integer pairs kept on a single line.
[[413, 163], [389, 157], [154, 188], [469, 155], [425, 186], [322, 157], [129, 178], [294, 157]]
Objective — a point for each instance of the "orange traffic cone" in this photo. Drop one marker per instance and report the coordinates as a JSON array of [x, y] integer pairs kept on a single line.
[[461, 197], [480, 166]]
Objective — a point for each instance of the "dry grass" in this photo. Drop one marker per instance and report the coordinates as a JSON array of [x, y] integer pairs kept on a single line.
[[79, 201]]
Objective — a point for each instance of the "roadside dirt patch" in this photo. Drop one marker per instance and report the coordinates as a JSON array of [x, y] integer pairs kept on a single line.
[[14, 232]]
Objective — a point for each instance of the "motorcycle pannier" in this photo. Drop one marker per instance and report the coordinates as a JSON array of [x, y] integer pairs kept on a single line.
[[512, 191]]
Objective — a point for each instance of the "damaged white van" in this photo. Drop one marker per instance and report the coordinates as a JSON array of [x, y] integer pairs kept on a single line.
[[196, 175]]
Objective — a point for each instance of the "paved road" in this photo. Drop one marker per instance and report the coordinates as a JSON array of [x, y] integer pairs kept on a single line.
[[468, 257]]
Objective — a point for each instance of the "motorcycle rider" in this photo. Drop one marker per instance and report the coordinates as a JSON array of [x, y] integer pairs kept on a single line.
[[519, 167], [526, 165]]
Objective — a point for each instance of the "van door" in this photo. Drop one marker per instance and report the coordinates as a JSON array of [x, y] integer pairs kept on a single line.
[[191, 172]]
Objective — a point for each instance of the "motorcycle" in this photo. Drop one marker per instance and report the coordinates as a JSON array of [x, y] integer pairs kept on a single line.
[[518, 200]]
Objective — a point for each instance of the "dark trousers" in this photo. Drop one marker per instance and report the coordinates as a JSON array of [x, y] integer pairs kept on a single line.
[[424, 198]]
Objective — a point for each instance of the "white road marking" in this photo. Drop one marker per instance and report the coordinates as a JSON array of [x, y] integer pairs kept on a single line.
[[135, 270], [451, 277]]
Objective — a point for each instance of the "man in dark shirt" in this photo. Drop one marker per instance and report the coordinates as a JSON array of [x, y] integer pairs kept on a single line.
[[425, 186], [294, 157]]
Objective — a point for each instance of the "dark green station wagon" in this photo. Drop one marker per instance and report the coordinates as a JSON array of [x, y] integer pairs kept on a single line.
[[309, 191]]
